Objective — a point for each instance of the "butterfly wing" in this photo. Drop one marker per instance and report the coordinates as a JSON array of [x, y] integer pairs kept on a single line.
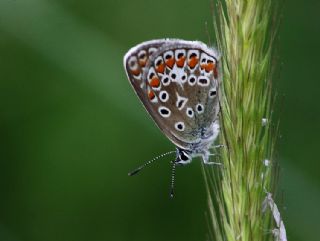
[[135, 62], [179, 88]]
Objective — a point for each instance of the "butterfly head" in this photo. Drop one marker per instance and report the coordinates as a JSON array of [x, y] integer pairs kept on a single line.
[[183, 157]]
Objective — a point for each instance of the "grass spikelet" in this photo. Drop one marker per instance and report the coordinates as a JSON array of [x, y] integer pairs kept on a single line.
[[245, 33]]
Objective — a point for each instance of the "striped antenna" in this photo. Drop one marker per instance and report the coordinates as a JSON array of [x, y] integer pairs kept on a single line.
[[149, 162]]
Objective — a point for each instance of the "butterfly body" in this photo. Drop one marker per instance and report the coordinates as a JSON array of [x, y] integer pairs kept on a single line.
[[177, 81]]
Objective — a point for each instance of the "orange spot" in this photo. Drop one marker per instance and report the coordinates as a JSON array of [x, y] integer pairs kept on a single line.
[[155, 82], [209, 67], [170, 62], [142, 62], [193, 61], [160, 68], [151, 95], [180, 62], [135, 72]]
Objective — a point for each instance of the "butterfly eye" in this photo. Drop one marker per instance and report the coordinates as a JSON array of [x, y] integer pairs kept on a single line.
[[184, 156]]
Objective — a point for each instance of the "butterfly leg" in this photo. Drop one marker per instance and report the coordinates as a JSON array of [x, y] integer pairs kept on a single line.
[[217, 146], [206, 159]]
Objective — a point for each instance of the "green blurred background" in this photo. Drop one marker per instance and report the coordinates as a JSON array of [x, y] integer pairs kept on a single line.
[[71, 127]]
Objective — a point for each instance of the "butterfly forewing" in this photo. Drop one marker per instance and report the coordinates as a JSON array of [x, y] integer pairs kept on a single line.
[[178, 86], [135, 62]]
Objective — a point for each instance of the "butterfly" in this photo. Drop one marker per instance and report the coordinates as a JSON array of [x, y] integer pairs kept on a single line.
[[178, 83]]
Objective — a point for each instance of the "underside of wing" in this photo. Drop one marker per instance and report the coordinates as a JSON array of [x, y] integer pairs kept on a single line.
[[179, 86]]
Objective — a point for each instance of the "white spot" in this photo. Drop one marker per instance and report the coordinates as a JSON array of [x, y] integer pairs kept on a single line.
[[178, 75], [181, 101], [192, 80], [200, 108], [190, 112], [152, 50], [165, 80], [133, 63], [164, 111], [179, 126], [164, 96], [138, 77], [203, 58], [212, 92], [203, 81], [142, 55]]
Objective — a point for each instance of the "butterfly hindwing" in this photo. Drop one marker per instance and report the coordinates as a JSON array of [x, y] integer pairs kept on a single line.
[[179, 88]]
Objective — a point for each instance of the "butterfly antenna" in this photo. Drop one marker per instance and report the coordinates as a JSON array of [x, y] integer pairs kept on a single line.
[[149, 162], [173, 174]]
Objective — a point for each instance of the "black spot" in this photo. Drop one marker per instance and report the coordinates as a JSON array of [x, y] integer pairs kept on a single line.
[[173, 76], [203, 81], [209, 61], [164, 111], [190, 112], [168, 56], [203, 60], [180, 55], [158, 62], [165, 80], [142, 56], [164, 96], [180, 126], [199, 108], [183, 77], [192, 55], [131, 64], [151, 75], [213, 93], [180, 103], [192, 80]]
